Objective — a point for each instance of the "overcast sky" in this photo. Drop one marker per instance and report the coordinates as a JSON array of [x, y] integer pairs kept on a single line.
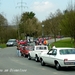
[[41, 8]]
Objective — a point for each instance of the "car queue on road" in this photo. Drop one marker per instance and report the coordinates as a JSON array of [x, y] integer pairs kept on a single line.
[[24, 46], [57, 57]]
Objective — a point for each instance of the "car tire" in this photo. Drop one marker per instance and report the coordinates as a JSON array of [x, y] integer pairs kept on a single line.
[[29, 57], [24, 55], [36, 58], [21, 54], [42, 62], [57, 66]]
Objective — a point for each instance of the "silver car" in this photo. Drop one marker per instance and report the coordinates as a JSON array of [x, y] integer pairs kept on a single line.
[[11, 42]]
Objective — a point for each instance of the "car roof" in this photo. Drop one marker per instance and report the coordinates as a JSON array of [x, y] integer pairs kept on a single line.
[[63, 48], [12, 39], [40, 46]]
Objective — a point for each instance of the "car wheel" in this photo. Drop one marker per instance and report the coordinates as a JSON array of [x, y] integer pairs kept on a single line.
[[24, 55], [7, 45], [42, 62], [36, 58], [29, 57], [21, 54], [57, 66]]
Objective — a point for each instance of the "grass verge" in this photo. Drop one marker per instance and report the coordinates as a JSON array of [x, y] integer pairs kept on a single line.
[[2, 45], [63, 43]]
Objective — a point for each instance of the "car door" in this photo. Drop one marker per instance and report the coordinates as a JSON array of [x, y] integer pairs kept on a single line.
[[52, 56], [46, 56], [32, 53], [24, 49]]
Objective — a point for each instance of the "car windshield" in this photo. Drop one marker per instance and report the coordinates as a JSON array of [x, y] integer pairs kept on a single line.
[[27, 48], [67, 51], [30, 48], [11, 40]]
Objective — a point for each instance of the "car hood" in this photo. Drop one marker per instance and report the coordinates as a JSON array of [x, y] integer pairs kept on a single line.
[[9, 42]]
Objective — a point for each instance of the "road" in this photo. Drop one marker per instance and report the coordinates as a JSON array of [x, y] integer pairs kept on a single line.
[[52, 40], [11, 64]]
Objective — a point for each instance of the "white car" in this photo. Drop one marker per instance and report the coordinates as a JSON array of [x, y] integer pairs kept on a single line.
[[36, 51], [59, 57], [11, 42]]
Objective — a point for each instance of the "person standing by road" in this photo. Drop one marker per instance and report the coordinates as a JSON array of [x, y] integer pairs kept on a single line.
[[45, 42], [18, 48], [53, 46]]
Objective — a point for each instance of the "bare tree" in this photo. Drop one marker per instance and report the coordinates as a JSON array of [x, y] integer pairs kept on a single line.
[[16, 22], [52, 23]]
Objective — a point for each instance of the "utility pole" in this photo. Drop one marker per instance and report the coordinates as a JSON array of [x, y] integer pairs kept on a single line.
[[21, 5]]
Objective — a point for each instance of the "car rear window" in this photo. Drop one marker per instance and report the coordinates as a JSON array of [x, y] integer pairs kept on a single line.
[[67, 51], [41, 48]]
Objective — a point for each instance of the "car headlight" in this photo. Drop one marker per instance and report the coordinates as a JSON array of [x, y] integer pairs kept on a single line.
[[11, 43]]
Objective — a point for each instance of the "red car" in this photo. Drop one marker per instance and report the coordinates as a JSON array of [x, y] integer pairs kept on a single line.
[[25, 50], [21, 42]]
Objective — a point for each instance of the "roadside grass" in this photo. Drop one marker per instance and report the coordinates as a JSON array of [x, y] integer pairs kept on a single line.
[[2, 45], [63, 43]]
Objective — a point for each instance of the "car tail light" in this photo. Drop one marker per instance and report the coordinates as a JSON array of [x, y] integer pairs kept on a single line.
[[66, 62], [65, 59]]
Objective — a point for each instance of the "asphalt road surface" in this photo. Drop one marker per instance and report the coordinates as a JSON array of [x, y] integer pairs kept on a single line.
[[11, 64]]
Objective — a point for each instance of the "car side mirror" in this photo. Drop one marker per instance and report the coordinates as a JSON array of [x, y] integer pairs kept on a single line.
[[49, 53]]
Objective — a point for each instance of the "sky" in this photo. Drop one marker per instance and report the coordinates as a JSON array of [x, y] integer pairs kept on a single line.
[[42, 8]]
